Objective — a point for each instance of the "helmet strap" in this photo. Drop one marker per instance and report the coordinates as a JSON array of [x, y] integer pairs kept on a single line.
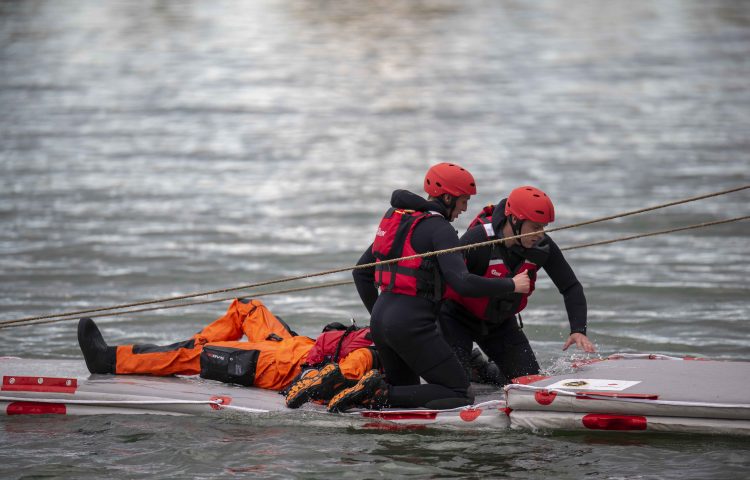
[[450, 206], [516, 227]]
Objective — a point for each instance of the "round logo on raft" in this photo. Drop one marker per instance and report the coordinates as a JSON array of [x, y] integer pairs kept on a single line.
[[576, 383]]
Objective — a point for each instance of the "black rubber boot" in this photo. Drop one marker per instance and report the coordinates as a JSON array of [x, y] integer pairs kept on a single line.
[[100, 358]]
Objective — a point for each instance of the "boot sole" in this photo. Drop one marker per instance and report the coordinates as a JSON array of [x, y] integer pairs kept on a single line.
[[345, 396], [302, 391]]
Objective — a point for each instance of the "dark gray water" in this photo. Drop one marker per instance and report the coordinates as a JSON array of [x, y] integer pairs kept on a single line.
[[151, 149]]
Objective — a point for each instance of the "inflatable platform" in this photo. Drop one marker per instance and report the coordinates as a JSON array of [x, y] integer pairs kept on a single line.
[[65, 387], [637, 393], [628, 393]]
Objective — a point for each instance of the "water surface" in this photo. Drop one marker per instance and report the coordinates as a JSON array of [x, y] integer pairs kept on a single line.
[[153, 149]]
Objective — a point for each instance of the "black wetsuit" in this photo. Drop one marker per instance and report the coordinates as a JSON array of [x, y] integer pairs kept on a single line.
[[404, 328], [502, 340]]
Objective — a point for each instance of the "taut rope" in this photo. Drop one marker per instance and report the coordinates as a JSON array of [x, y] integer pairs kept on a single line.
[[17, 323], [385, 262]]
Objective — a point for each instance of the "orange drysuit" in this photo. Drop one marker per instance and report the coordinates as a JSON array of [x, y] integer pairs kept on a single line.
[[280, 357]]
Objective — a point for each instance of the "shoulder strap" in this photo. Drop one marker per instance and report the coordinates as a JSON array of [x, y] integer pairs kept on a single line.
[[349, 330], [489, 230]]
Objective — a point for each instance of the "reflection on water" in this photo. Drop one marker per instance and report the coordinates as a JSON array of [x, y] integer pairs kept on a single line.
[[150, 149]]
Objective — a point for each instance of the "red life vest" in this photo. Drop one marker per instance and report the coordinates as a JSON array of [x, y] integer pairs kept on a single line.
[[327, 345], [416, 277], [505, 306], [484, 217]]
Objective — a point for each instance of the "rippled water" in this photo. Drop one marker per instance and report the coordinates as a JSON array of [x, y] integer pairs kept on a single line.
[[151, 149]]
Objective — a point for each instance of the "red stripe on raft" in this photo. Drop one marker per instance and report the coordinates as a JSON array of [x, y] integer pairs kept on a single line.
[[582, 363], [641, 396], [35, 408], [525, 380], [39, 384], [596, 421], [393, 426], [401, 415]]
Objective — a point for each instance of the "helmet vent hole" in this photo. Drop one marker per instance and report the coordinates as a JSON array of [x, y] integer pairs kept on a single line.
[[539, 212], [428, 181], [472, 184], [537, 195], [438, 184]]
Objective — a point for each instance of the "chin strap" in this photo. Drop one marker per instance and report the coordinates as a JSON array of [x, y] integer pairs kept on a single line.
[[450, 206], [516, 227]]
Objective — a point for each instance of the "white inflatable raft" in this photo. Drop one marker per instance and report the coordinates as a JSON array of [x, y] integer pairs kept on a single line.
[[65, 387], [635, 393], [652, 393]]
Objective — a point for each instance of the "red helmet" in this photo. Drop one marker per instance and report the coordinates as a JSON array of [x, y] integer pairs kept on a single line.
[[529, 203], [449, 178]]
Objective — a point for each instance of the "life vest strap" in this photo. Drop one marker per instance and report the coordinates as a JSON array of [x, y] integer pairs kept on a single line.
[[428, 277], [489, 230]]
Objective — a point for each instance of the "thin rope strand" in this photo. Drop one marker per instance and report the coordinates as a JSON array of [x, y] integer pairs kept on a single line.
[[661, 232], [15, 323], [385, 262]]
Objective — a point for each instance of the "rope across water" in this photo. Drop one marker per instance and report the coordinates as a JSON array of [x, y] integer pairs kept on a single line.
[[59, 316], [18, 323]]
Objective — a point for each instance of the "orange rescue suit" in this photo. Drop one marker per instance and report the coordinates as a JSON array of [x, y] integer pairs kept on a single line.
[[280, 353]]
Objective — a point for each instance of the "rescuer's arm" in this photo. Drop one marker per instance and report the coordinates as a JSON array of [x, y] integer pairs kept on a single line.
[[364, 280], [565, 280]]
